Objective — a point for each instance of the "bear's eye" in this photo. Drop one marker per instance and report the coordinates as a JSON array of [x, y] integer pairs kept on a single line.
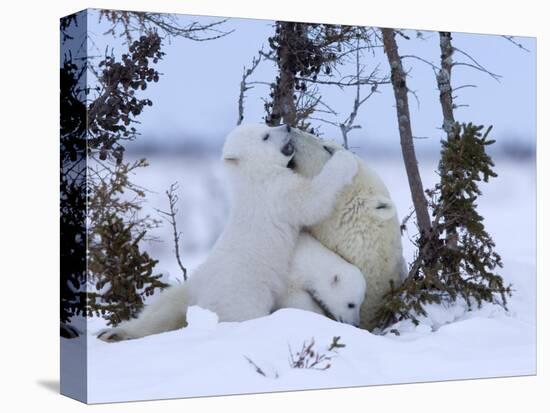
[[266, 137], [351, 305]]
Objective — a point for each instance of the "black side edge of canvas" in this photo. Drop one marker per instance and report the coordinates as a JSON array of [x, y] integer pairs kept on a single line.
[[73, 170]]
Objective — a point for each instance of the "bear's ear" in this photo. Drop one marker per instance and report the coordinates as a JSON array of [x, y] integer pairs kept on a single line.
[[230, 155], [381, 207], [231, 159], [335, 279]]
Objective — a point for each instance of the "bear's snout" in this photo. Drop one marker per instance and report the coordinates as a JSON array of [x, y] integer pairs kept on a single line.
[[288, 149]]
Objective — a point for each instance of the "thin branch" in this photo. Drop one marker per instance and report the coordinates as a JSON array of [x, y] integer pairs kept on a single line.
[[432, 65], [244, 86], [267, 56], [512, 40], [342, 84], [415, 95], [328, 109], [257, 82], [402, 34], [475, 64], [349, 124], [170, 216], [167, 24], [403, 226], [493, 75], [329, 122], [463, 87]]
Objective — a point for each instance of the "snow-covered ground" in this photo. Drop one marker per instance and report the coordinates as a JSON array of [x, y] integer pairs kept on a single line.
[[210, 358]]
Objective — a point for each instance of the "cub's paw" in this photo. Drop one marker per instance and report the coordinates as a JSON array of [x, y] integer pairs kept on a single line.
[[112, 335], [344, 166]]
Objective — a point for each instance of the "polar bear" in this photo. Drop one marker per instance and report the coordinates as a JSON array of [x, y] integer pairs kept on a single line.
[[245, 273], [364, 227], [321, 281]]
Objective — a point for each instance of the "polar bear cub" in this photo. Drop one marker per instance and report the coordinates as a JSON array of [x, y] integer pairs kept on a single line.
[[245, 273], [323, 282]]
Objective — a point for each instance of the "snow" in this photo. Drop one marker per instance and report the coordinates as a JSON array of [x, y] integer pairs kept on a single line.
[[210, 358]]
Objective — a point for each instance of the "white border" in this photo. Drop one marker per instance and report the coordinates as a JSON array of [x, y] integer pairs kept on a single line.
[[29, 202]]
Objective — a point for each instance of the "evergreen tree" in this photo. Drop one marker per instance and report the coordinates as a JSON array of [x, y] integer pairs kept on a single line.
[[72, 188], [457, 258], [100, 222], [469, 268], [121, 273], [124, 274]]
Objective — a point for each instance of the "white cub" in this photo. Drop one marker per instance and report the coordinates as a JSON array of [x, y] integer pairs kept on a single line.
[[245, 273], [321, 281]]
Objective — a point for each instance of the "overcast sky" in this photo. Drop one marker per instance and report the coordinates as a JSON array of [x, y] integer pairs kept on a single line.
[[196, 97]]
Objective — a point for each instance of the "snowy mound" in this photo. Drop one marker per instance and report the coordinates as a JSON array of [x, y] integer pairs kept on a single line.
[[211, 358]]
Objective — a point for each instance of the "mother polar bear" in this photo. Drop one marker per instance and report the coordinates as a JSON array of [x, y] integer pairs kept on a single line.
[[363, 228], [244, 276]]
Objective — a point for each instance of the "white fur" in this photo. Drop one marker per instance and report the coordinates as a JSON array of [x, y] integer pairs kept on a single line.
[[245, 273], [320, 278], [363, 229]]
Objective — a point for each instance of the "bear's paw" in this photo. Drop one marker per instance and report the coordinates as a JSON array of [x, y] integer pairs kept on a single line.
[[344, 166], [112, 335]]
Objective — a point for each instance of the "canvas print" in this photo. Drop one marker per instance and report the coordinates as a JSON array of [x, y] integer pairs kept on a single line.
[[255, 206]]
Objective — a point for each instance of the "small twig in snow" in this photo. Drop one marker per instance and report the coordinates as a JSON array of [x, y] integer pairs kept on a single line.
[[335, 343], [308, 358], [256, 367]]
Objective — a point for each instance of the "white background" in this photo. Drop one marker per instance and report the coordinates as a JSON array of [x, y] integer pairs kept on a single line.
[[29, 248]]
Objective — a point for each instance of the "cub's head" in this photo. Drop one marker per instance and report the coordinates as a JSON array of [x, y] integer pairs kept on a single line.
[[340, 295], [259, 146], [311, 152]]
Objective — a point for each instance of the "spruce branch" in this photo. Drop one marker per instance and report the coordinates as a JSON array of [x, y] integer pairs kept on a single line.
[[336, 344]]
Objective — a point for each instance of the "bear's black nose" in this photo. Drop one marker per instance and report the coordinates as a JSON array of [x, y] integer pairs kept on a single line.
[[288, 149]]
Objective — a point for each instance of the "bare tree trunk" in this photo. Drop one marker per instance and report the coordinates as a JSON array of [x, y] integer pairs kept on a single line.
[[447, 107], [400, 90], [444, 82], [284, 104]]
